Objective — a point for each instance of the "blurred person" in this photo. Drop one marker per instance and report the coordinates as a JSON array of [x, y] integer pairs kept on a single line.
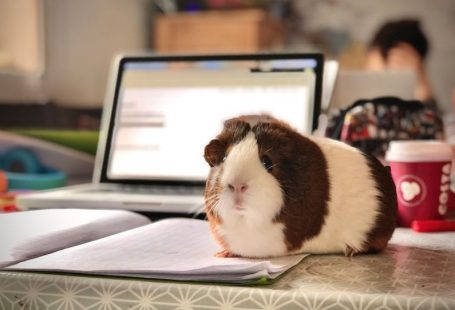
[[371, 124], [402, 45]]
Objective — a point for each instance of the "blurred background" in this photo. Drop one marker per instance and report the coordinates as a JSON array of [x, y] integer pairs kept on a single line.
[[55, 57], [55, 54]]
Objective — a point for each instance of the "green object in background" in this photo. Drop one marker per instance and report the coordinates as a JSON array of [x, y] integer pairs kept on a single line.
[[82, 140]]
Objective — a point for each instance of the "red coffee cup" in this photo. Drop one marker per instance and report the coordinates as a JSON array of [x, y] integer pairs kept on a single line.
[[421, 172]]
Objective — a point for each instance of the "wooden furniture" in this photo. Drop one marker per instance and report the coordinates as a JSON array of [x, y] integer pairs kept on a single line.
[[249, 30]]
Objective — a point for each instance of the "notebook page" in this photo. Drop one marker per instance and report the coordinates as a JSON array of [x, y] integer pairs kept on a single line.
[[30, 234], [170, 247]]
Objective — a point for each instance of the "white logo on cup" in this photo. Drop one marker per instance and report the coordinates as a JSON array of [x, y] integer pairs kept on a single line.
[[411, 190], [445, 187]]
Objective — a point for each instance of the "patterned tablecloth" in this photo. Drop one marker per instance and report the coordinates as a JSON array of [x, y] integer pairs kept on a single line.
[[417, 271]]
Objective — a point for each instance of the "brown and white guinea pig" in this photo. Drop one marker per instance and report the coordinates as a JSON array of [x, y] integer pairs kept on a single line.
[[272, 191]]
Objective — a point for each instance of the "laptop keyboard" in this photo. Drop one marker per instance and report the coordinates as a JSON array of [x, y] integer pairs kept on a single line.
[[154, 190]]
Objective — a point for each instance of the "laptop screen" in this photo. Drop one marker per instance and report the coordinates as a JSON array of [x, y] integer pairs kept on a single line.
[[167, 109]]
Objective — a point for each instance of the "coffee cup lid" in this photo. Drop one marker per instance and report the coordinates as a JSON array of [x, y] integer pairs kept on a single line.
[[418, 151]]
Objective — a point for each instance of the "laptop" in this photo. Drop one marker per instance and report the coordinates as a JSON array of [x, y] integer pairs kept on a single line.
[[331, 68], [161, 111], [352, 85]]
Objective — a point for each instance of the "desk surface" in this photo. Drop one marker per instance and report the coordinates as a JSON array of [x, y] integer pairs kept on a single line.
[[417, 271]]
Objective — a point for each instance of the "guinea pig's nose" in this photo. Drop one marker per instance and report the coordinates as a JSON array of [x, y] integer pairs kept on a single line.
[[238, 187]]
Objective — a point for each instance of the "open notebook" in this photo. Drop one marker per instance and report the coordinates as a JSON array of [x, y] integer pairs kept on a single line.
[[161, 111], [122, 243]]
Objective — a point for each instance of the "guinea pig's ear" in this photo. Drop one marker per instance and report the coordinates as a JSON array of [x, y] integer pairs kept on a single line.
[[214, 152]]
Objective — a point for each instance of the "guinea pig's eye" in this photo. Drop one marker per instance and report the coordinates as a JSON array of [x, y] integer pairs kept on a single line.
[[266, 162]]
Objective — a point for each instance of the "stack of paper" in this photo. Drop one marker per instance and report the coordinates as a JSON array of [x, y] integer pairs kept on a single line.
[[25, 235], [176, 249]]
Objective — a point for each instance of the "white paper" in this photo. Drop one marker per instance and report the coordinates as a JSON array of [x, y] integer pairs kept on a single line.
[[29, 234], [172, 249]]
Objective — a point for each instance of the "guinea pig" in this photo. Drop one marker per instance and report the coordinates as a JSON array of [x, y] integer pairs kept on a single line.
[[272, 191]]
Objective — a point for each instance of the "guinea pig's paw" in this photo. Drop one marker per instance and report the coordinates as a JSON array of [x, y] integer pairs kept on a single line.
[[225, 254], [349, 251]]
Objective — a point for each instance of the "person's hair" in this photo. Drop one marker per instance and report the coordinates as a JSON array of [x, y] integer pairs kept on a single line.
[[401, 31]]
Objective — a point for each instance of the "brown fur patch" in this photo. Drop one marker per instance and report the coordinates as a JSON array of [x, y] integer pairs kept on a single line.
[[301, 169], [382, 231]]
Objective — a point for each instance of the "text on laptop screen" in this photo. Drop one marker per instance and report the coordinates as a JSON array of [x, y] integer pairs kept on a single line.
[[167, 114]]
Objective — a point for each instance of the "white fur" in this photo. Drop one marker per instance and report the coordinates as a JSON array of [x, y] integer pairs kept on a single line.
[[251, 231], [353, 204]]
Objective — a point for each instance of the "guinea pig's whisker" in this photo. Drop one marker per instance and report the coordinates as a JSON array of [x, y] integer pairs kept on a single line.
[[289, 197], [211, 202], [197, 210], [284, 193], [288, 186], [274, 165], [215, 207], [212, 199]]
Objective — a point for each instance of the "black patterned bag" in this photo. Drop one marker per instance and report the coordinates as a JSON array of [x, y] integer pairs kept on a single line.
[[371, 124]]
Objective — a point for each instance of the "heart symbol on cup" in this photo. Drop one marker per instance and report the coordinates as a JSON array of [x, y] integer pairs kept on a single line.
[[410, 190]]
